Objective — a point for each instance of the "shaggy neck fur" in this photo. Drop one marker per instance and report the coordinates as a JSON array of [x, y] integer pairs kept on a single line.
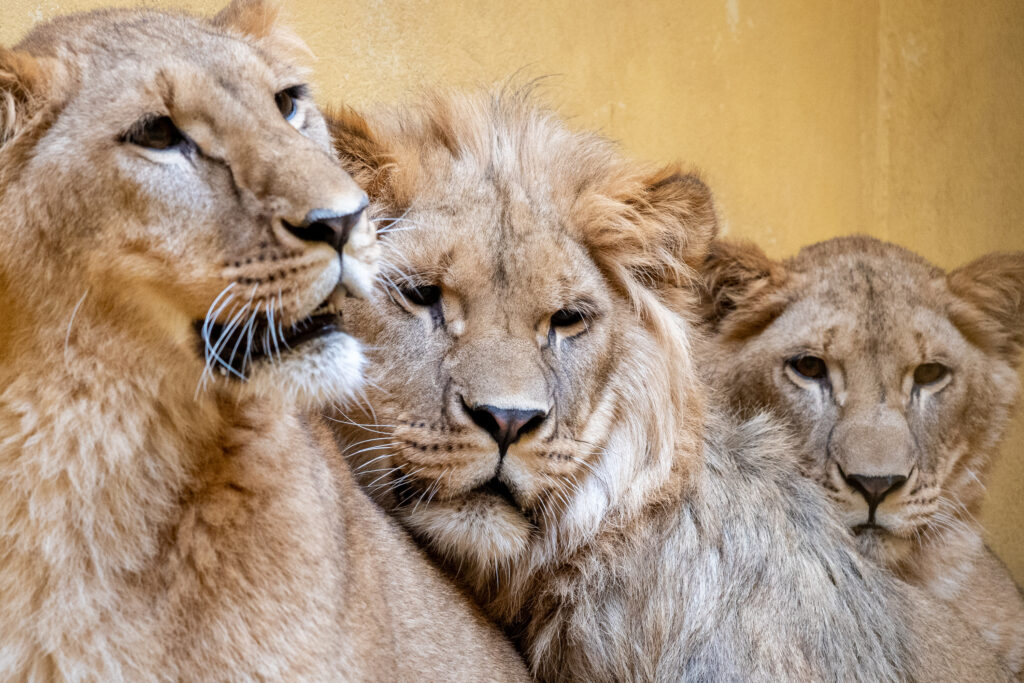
[[93, 459]]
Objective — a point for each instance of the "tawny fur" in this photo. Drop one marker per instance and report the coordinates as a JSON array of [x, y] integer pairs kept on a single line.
[[159, 521], [633, 532], [874, 312]]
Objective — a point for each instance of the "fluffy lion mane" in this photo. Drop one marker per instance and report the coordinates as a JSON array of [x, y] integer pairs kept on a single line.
[[638, 532]]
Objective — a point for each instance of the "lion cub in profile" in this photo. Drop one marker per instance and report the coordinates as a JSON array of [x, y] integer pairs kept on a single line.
[[173, 223], [900, 378]]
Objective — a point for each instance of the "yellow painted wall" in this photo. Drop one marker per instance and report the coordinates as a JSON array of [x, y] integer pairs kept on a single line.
[[810, 118]]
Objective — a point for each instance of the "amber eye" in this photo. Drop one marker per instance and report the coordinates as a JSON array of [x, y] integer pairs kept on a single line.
[[930, 373], [810, 367], [422, 296], [566, 317], [286, 100], [155, 132]]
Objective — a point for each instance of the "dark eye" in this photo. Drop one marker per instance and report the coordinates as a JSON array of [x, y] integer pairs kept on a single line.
[[286, 101], [422, 296], [157, 132], [810, 367], [566, 317], [930, 373]]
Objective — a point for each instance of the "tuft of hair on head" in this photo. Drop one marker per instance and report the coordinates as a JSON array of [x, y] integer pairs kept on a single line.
[[26, 83], [648, 228], [261, 21], [653, 244], [989, 305], [360, 151], [677, 213], [740, 289]]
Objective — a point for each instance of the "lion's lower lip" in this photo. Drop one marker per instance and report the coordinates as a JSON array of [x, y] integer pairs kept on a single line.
[[497, 487], [234, 350], [313, 327], [409, 495]]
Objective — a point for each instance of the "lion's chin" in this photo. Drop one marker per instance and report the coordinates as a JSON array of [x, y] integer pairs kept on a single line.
[[324, 371], [482, 528], [882, 546]]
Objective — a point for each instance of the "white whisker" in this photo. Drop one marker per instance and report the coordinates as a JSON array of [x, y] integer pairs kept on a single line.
[[67, 336]]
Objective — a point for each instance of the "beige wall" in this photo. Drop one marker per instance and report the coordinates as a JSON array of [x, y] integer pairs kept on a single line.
[[903, 119]]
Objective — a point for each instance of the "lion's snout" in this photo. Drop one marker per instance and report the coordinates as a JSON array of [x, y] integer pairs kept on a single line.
[[332, 227]]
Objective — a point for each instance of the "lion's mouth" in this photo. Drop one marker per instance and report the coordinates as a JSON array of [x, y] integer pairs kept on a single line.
[[232, 348], [496, 487]]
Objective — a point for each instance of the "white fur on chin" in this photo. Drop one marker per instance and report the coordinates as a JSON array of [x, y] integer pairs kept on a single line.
[[326, 371]]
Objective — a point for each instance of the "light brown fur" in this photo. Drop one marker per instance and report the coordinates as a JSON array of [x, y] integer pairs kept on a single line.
[[874, 312], [160, 521], [632, 531]]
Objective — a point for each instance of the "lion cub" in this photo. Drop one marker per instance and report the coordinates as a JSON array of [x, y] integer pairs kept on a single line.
[[900, 379], [173, 220], [546, 433]]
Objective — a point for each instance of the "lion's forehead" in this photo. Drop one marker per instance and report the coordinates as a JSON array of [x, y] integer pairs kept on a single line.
[[867, 283], [123, 33], [121, 46], [495, 248], [862, 304]]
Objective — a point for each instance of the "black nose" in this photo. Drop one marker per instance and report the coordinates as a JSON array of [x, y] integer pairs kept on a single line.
[[329, 227], [875, 489], [504, 425]]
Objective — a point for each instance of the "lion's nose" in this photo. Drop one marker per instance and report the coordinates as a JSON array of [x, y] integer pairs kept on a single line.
[[327, 226], [875, 489], [505, 425]]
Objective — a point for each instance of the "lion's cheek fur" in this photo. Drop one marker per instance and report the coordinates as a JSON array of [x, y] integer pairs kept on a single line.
[[329, 373]]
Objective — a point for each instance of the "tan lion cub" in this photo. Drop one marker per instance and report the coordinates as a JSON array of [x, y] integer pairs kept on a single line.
[[900, 378], [546, 434], [171, 222]]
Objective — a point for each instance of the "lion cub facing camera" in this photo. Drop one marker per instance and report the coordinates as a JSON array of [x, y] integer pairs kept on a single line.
[[173, 223], [900, 379]]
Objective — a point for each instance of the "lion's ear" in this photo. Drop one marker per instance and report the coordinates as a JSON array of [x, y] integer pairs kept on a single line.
[[253, 18], [26, 82], [731, 271], [741, 284], [663, 234], [260, 20], [360, 151], [683, 212], [990, 306]]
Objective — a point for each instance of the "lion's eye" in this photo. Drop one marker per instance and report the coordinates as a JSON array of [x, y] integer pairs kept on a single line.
[[158, 133], [810, 367], [422, 296], [567, 317], [286, 101], [285, 104], [930, 373]]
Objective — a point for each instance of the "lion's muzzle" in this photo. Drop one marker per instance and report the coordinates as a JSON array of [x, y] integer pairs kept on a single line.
[[328, 226]]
